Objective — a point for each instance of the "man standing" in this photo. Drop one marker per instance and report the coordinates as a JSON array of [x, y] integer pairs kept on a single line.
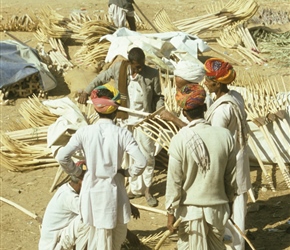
[[120, 11], [201, 176], [185, 72], [104, 203], [140, 90], [228, 111]]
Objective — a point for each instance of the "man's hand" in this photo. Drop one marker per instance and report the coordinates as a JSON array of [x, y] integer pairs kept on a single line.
[[124, 172], [133, 239], [166, 115], [170, 222], [135, 212], [83, 98]]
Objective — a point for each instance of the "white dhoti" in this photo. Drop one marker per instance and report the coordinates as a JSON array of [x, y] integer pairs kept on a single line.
[[107, 239], [75, 234], [204, 231], [139, 183], [118, 15], [239, 216]]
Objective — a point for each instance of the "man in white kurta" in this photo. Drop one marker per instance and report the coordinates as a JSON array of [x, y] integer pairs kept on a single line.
[[62, 212], [201, 176], [104, 203], [142, 93], [228, 111]]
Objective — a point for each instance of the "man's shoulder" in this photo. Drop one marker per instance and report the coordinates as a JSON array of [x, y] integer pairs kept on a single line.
[[149, 69]]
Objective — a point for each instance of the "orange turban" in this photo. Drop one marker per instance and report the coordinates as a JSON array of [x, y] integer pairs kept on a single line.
[[104, 104], [190, 96], [219, 71]]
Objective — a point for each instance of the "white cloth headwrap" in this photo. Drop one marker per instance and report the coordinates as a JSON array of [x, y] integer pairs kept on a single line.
[[190, 71]]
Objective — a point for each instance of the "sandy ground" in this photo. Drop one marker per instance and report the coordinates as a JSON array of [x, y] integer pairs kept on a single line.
[[267, 219]]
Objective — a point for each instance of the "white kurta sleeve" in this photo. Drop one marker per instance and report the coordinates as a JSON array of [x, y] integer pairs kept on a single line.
[[64, 156]]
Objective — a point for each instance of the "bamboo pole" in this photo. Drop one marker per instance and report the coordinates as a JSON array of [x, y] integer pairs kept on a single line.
[[24, 210], [166, 234]]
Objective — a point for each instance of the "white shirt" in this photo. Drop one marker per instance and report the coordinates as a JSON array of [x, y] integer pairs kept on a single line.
[[60, 211], [103, 199]]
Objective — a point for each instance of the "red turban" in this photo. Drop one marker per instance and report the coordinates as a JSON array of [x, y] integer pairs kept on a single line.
[[104, 104], [219, 70], [190, 96]]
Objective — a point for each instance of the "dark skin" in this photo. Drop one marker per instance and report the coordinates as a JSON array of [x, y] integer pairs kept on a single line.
[[169, 116], [136, 68]]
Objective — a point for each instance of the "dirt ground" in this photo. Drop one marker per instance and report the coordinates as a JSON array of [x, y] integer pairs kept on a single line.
[[268, 219]]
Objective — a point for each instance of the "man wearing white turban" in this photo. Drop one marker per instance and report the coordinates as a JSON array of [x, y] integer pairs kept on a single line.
[[185, 72], [188, 72]]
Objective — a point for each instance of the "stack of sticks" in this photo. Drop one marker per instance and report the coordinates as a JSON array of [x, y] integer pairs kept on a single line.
[[265, 107], [233, 11], [19, 23], [238, 37]]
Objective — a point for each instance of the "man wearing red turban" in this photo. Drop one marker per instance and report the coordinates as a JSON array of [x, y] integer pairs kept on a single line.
[[201, 176], [104, 203], [228, 111]]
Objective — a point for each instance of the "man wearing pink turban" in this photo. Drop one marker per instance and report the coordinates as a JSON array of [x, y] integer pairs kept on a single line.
[[201, 176], [228, 111], [104, 203]]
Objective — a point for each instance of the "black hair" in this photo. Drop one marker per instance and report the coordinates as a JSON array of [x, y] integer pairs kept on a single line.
[[110, 94], [105, 92], [197, 112], [136, 54]]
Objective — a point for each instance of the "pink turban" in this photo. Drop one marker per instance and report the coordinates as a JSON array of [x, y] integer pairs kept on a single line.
[[104, 104], [219, 70], [190, 96]]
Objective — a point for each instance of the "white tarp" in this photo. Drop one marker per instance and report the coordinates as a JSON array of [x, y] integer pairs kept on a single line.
[[157, 46]]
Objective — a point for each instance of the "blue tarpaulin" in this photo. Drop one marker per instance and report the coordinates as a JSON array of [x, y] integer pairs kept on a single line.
[[18, 61]]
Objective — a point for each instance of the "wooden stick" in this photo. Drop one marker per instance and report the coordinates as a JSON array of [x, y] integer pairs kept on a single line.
[[24, 210], [242, 234], [150, 209], [145, 17], [256, 154], [166, 234]]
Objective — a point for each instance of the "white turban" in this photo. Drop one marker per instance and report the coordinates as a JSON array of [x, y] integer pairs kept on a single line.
[[190, 71]]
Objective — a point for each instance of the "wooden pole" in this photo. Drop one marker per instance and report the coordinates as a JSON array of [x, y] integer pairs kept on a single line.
[[242, 234], [145, 16], [24, 210]]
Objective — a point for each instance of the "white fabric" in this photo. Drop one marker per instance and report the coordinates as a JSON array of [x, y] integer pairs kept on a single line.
[[75, 234], [138, 184], [60, 211], [239, 217], [196, 145], [155, 45], [190, 71], [103, 199], [222, 114], [70, 118], [202, 228], [118, 15], [135, 100], [107, 239]]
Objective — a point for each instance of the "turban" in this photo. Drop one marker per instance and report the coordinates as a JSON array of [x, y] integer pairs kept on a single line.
[[190, 71], [190, 96], [104, 104], [219, 70]]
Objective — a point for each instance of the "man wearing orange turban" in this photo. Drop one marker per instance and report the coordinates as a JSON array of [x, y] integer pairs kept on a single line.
[[201, 176], [228, 111]]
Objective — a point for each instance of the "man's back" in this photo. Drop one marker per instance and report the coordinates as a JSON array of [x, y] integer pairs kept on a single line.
[[61, 209], [211, 186]]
